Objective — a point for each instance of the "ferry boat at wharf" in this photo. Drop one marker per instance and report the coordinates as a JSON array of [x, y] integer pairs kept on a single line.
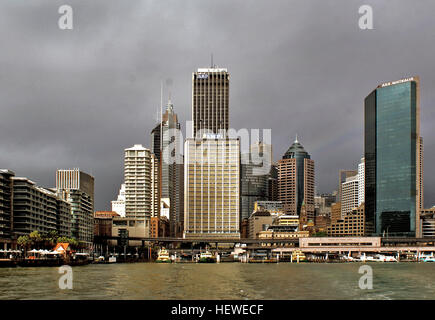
[[206, 257], [163, 256]]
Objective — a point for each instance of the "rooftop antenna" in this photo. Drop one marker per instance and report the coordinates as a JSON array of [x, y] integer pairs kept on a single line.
[[212, 66], [157, 115], [296, 140], [169, 106], [161, 117]]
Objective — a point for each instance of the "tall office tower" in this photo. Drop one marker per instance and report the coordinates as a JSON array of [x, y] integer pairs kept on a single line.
[[74, 179], [255, 174], [77, 188], [342, 176], [6, 207], [272, 188], [118, 205], [141, 175], [421, 189], [212, 188], [361, 179], [210, 100], [155, 187], [296, 181], [177, 227], [393, 164], [254, 187], [165, 144], [261, 156], [349, 195]]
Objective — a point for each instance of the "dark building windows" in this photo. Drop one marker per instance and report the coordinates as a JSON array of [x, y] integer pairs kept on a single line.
[[391, 142]]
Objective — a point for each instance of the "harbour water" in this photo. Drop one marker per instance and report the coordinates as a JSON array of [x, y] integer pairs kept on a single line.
[[222, 281]]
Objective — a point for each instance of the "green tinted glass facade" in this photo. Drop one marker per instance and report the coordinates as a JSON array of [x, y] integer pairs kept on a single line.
[[297, 151], [390, 154]]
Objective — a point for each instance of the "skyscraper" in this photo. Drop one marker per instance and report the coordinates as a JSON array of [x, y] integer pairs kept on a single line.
[[393, 158], [255, 174], [342, 176], [212, 188], [140, 174], [165, 144], [272, 183], [361, 179], [296, 181], [349, 195], [210, 99], [212, 162], [74, 179], [6, 207], [77, 188], [420, 170], [118, 205]]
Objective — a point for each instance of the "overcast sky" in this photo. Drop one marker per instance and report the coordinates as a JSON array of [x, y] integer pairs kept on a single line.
[[77, 98]]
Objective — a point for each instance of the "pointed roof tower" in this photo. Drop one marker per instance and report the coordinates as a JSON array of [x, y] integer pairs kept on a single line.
[[296, 149]]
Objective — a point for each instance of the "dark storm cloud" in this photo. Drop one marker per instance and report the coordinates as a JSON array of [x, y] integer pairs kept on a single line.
[[78, 98]]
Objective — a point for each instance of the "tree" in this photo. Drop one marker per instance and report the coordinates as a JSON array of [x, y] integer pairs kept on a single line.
[[51, 238], [319, 234], [24, 241], [35, 236]]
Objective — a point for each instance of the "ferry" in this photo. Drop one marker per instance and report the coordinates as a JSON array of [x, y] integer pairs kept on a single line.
[[206, 257], [427, 258], [388, 258], [377, 258], [163, 256], [298, 255], [347, 258]]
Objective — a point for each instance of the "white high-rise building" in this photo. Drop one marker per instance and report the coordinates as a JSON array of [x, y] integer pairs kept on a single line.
[[118, 205], [212, 188], [141, 172], [361, 184], [349, 195]]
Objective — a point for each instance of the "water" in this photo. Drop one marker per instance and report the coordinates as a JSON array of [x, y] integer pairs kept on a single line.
[[222, 281]]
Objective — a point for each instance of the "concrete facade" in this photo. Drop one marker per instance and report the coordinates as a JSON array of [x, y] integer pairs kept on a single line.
[[212, 188]]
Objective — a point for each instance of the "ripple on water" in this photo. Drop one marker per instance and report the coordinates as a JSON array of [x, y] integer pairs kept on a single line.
[[222, 281]]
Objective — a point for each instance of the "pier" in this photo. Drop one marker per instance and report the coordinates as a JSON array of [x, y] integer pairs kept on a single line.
[[317, 249]]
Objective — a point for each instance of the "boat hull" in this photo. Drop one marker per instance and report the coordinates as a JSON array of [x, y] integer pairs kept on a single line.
[[163, 261]]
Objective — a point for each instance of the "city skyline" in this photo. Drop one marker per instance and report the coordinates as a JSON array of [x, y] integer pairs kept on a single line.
[[217, 158], [91, 100]]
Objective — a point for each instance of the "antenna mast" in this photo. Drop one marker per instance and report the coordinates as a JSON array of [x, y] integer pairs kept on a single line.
[[161, 118]]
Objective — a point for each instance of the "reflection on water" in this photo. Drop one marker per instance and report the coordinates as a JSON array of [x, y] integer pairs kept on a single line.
[[222, 281]]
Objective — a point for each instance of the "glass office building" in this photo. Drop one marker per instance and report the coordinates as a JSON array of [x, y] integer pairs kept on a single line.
[[392, 148], [253, 188]]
